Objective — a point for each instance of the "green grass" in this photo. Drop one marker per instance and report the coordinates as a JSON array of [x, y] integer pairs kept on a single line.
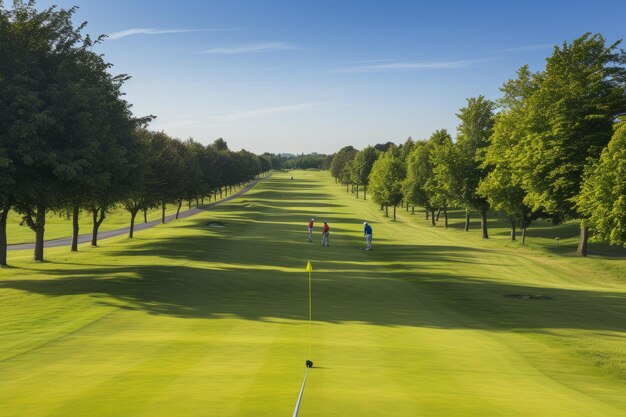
[[190, 320]]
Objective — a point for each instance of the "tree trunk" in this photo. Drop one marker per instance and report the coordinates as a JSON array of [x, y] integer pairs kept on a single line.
[[364, 192], [221, 195], [189, 204], [412, 209], [347, 190], [407, 207], [523, 235], [162, 211], [386, 211], [438, 213], [40, 228], [180, 204], [133, 213], [426, 210], [483, 223], [3, 234], [432, 218], [357, 191], [582, 243], [394, 213], [97, 221], [145, 215], [75, 229], [513, 231], [445, 217], [467, 221]]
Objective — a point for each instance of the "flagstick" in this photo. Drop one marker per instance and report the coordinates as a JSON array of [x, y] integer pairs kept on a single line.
[[310, 314]]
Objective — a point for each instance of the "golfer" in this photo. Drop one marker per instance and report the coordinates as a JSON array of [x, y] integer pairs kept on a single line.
[[325, 232], [367, 231], [311, 230]]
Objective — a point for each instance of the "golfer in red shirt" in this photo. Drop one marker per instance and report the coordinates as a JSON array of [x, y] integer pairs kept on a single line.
[[311, 230], [325, 231]]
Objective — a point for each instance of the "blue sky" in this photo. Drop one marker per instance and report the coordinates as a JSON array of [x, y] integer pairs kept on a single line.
[[289, 76]]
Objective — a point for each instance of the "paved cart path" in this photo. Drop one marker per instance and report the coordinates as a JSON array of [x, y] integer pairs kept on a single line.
[[86, 238]]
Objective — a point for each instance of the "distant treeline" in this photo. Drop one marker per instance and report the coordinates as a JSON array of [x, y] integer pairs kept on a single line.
[[302, 161], [552, 146]]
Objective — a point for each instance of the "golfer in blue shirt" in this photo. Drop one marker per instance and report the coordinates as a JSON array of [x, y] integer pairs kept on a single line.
[[367, 231]]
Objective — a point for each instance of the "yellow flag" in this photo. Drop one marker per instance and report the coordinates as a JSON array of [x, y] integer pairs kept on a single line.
[[309, 266]]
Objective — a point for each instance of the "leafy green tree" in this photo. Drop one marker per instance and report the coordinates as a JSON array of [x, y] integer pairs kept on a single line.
[[196, 183], [265, 163], [439, 193], [419, 172], [248, 166], [571, 117], [211, 168], [386, 181], [383, 147], [60, 109], [502, 187], [362, 167], [341, 158], [448, 177], [188, 176], [406, 148], [346, 176], [142, 193], [220, 145], [122, 167], [168, 166], [474, 131], [8, 94], [603, 196]]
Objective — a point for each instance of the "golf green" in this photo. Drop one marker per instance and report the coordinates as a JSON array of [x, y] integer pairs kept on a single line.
[[189, 319]]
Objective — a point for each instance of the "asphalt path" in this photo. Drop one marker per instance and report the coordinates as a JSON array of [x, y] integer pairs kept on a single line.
[[86, 238]]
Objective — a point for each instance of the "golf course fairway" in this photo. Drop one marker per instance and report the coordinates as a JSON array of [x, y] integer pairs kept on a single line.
[[208, 316]]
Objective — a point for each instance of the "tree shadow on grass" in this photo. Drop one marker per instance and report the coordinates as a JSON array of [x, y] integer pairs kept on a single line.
[[360, 292]]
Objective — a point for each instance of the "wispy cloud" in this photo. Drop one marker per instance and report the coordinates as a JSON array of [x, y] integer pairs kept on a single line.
[[537, 47], [267, 111], [249, 48], [409, 66], [143, 31], [210, 120]]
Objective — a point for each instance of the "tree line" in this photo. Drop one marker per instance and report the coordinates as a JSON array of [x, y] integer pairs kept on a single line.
[[303, 161], [70, 143], [553, 146]]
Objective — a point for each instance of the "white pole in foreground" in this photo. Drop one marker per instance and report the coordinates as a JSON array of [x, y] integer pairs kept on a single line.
[[295, 411], [309, 363]]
